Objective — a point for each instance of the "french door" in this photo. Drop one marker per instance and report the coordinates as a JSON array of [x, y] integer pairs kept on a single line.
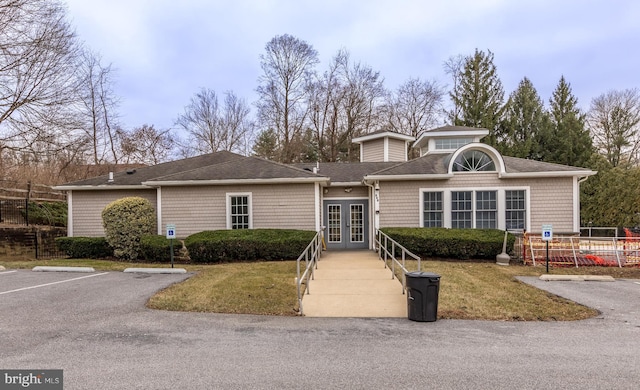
[[346, 224]]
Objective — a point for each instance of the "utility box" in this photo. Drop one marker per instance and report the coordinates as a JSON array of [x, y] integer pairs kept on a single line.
[[422, 296]]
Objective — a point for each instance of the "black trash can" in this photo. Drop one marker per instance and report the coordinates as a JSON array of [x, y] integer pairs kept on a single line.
[[422, 296]]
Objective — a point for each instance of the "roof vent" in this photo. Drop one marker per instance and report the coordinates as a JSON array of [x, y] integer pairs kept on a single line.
[[110, 177]]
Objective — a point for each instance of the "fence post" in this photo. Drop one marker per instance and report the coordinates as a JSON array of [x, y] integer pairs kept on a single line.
[[35, 241], [26, 209]]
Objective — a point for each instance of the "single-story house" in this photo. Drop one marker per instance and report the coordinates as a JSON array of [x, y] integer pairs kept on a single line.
[[457, 181]]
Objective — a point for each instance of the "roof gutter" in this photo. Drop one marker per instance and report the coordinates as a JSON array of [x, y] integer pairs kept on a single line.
[[102, 187], [439, 176], [180, 183], [533, 175]]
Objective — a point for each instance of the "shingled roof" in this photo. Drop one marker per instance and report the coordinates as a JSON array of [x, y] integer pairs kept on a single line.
[[225, 167], [436, 164], [344, 172], [247, 168], [219, 166]]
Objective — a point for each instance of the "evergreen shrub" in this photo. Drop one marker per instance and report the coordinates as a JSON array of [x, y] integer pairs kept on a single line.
[[125, 221], [156, 248], [221, 246], [85, 247], [462, 244]]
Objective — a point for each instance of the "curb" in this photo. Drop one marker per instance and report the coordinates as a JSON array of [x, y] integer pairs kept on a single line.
[[63, 269], [156, 270], [577, 278]]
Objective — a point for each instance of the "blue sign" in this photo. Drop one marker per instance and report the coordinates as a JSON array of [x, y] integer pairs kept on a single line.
[[171, 231], [547, 232]]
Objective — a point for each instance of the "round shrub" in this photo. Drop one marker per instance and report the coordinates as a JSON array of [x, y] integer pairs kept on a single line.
[[125, 221]]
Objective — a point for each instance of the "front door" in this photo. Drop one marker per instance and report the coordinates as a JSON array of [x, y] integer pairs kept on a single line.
[[346, 223]]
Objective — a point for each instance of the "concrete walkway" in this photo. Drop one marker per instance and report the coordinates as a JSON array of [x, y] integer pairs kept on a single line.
[[353, 284]]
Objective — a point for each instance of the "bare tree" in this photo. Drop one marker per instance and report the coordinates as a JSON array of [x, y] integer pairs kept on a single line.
[[325, 96], [454, 67], [346, 102], [287, 67], [212, 128], [99, 107], [146, 145], [363, 99], [38, 52], [614, 122], [415, 107]]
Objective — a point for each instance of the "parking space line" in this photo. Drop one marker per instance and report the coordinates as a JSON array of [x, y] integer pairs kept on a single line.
[[8, 272], [52, 283]]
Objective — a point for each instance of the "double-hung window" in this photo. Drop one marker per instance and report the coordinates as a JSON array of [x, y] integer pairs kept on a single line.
[[461, 209], [239, 211], [515, 209], [486, 210], [432, 209]]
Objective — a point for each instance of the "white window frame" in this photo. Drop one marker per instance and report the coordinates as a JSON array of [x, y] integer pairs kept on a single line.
[[500, 199], [527, 211], [422, 210], [250, 206]]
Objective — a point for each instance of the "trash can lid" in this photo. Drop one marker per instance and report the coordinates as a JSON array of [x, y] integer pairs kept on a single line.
[[422, 274]]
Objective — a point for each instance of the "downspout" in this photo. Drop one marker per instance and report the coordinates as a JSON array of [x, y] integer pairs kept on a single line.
[[576, 195], [375, 198]]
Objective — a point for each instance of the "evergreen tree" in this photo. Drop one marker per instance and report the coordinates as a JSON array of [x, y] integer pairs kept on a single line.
[[567, 140], [610, 198], [266, 145], [478, 94], [524, 123]]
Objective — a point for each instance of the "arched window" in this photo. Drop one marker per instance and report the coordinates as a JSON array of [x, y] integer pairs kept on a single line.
[[473, 161]]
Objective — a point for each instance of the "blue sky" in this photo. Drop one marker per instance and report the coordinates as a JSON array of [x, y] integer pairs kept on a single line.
[[166, 51]]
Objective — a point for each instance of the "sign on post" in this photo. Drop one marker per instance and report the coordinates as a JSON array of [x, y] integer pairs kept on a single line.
[[171, 235], [171, 231], [547, 232], [547, 235]]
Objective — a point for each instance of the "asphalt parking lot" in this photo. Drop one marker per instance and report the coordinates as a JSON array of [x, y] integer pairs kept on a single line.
[[96, 328]]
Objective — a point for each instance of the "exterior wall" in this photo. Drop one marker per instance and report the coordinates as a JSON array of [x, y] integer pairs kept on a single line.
[[373, 151], [550, 199], [196, 208], [339, 192], [397, 150], [87, 206]]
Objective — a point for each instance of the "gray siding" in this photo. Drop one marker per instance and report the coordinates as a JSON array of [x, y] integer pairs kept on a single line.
[[551, 199], [397, 150], [197, 208], [373, 151], [87, 208]]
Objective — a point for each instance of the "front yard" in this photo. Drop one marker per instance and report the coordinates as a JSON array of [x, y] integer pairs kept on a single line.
[[468, 290]]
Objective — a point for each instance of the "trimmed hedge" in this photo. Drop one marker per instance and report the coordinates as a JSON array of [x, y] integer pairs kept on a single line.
[[221, 246], [157, 248], [446, 243], [85, 247]]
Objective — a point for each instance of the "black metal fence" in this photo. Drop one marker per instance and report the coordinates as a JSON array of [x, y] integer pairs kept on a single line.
[[32, 241], [14, 211], [45, 245]]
